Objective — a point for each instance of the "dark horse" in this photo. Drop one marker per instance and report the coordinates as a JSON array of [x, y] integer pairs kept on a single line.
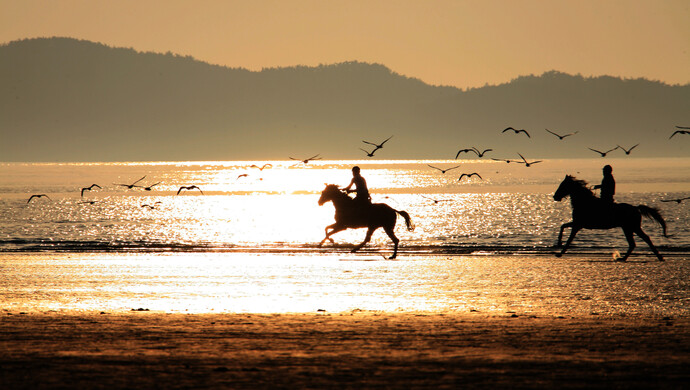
[[590, 212], [349, 216]]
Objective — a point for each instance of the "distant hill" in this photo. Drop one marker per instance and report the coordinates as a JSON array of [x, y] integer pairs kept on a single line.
[[63, 99]]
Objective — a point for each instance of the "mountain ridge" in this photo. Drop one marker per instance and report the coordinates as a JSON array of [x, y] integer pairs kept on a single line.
[[76, 100]]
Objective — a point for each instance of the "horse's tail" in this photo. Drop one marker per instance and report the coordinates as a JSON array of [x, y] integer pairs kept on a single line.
[[654, 214], [408, 220]]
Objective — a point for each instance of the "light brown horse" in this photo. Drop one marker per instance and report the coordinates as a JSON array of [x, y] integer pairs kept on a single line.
[[349, 216], [590, 212]]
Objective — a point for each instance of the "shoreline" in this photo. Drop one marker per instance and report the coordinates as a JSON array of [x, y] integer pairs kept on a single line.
[[140, 349]]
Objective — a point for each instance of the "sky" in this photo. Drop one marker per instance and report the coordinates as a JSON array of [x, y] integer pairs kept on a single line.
[[457, 43]]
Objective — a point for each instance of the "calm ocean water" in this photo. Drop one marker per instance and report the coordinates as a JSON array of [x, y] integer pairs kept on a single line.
[[244, 209], [249, 243]]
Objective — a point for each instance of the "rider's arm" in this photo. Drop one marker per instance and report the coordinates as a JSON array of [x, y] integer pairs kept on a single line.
[[347, 189]]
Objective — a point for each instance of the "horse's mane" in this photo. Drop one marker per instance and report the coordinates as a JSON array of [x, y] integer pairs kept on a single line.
[[581, 183]]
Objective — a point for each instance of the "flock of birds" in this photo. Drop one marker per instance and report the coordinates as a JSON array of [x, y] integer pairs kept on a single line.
[[377, 146]]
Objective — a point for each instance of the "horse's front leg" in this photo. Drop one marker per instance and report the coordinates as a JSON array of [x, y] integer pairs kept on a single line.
[[631, 244], [573, 232], [560, 234], [335, 229]]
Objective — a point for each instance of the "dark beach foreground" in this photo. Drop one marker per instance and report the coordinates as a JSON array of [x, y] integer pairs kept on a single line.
[[323, 350]]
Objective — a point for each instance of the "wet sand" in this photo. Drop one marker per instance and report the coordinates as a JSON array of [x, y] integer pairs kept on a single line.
[[140, 349]]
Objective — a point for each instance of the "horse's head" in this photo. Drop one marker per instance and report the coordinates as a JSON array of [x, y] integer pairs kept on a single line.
[[330, 192], [563, 189]]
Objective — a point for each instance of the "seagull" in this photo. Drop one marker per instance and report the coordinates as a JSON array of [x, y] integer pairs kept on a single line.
[[517, 131], [627, 151], [189, 188], [603, 154], [443, 170], [130, 186], [680, 131], [149, 187], [369, 154], [503, 159], [261, 168], [37, 196], [88, 202], [469, 175], [676, 200], [89, 188], [481, 154], [149, 206], [306, 161], [561, 136], [436, 200], [242, 175], [524, 161], [465, 151], [378, 146]]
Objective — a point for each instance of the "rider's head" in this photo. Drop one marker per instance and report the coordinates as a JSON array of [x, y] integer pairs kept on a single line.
[[355, 170], [608, 169]]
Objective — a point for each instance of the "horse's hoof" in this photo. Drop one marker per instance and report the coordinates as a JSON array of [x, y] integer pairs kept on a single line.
[[392, 257], [558, 254]]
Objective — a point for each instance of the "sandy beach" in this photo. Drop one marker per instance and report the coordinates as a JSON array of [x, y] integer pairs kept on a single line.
[[144, 349]]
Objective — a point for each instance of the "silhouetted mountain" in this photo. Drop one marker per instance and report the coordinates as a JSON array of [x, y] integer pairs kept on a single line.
[[69, 100]]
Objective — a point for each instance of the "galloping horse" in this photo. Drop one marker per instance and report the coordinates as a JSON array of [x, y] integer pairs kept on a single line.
[[349, 216], [590, 212]]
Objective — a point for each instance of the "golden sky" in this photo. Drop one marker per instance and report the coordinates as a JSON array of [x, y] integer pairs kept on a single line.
[[459, 43]]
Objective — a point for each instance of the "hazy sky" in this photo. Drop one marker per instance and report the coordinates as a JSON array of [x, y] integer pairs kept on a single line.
[[459, 43]]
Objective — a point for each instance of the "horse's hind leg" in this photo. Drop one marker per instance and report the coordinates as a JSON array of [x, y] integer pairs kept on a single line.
[[646, 239], [573, 232], [391, 234], [370, 231], [631, 244]]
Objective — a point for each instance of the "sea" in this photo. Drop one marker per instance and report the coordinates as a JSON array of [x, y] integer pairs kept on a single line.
[[246, 238]]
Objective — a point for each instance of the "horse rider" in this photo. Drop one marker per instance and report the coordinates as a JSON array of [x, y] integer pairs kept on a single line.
[[607, 186], [362, 197]]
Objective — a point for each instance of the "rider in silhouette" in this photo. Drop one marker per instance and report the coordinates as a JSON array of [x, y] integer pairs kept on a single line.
[[607, 186], [362, 197]]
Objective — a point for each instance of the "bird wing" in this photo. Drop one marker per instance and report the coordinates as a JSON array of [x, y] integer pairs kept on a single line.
[[476, 174], [370, 143], [523, 159], [180, 190], [524, 131], [453, 168], [381, 144], [508, 128], [139, 180], [434, 167], [683, 127], [557, 135], [594, 150], [463, 151], [314, 157]]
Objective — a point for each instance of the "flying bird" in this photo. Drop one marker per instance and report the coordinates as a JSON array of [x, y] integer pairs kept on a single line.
[[88, 202], [443, 170], [306, 161], [37, 196], [242, 175], [676, 200], [603, 154], [130, 186], [527, 163], [436, 201], [189, 188], [469, 175], [627, 151], [149, 206], [149, 187], [561, 136], [369, 154], [685, 131], [504, 160], [517, 131], [481, 154], [261, 168], [378, 146], [89, 188], [464, 151]]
